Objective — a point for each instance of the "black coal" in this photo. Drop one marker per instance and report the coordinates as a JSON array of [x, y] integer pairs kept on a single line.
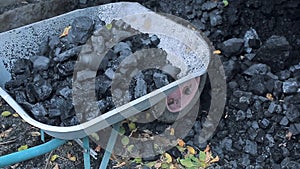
[[42, 84]]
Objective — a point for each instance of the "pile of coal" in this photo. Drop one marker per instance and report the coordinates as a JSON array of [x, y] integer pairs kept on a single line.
[[42, 84]]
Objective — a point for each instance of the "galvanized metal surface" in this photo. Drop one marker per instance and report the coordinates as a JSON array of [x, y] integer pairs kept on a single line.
[[191, 54]]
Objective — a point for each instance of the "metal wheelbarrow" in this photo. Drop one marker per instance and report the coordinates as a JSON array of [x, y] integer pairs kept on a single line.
[[185, 46]]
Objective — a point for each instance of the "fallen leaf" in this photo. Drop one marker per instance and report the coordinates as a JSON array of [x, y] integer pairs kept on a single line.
[[191, 150], [138, 160], [202, 156], [95, 136], [24, 147], [56, 166], [108, 26], [226, 3], [98, 148], [207, 149], [5, 113], [54, 157], [165, 165], [157, 165], [65, 32], [73, 158], [217, 52], [168, 157], [15, 115], [119, 165], [270, 96], [150, 164], [130, 148], [6, 133], [125, 141], [187, 162], [35, 134], [289, 135], [172, 132], [132, 126], [180, 142], [216, 159]]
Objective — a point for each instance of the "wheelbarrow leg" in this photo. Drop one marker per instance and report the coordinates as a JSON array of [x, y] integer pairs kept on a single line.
[[86, 153], [110, 145]]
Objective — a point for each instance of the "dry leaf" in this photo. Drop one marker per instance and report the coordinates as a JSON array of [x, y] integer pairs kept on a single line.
[[157, 165], [289, 135], [70, 157], [207, 149], [216, 159], [172, 132], [15, 115], [98, 148], [270, 96], [191, 150], [217, 52], [6, 133], [65, 32], [180, 142], [119, 165], [35, 134], [56, 166], [168, 157]]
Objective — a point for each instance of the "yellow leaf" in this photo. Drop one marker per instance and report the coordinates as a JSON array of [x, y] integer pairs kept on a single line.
[[54, 157], [168, 157], [191, 150], [172, 132], [24, 147], [5, 113], [132, 126], [217, 52], [15, 115], [65, 32], [73, 158], [35, 134], [95, 136], [216, 159], [108, 26], [180, 142]]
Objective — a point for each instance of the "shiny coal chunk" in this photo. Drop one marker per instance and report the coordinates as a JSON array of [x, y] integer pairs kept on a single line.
[[66, 92], [40, 62], [122, 48], [102, 105], [68, 54], [38, 110], [20, 97], [66, 69], [54, 42], [110, 73], [30, 93], [72, 121], [160, 80], [44, 47], [102, 84], [43, 90], [22, 66], [140, 88], [81, 29]]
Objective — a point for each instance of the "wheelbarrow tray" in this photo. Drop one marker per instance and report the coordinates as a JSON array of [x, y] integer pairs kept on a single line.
[[23, 42]]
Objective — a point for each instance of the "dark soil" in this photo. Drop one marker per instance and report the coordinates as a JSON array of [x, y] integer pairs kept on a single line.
[[260, 127]]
